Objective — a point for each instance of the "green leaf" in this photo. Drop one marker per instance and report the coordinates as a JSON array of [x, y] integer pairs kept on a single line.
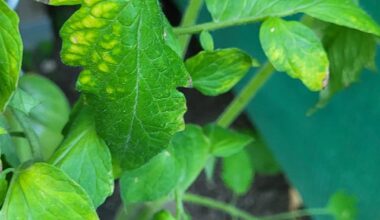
[[6, 145], [42, 187], [191, 147], [238, 172], [86, 158], [163, 215], [344, 13], [23, 101], [343, 206], [206, 41], [130, 75], [152, 181], [216, 72], [350, 51], [262, 158], [225, 142], [60, 2], [10, 53], [171, 39], [50, 116], [294, 48], [340, 12]]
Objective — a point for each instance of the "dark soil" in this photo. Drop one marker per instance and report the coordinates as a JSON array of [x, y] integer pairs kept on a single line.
[[268, 195]]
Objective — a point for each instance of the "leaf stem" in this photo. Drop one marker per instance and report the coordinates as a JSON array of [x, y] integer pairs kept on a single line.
[[248, 92], [214, 204], [210, 26], [190, 18], [31, 136], [179, 205]]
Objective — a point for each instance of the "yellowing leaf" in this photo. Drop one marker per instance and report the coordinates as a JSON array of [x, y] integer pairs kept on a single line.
[[294, 48]]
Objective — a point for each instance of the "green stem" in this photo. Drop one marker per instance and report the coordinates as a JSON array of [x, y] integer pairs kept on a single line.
[[31, 136], [298, 214], [190, 18], [210, 26], [214, 204], [245, 96], [180, 212], [235, 212]]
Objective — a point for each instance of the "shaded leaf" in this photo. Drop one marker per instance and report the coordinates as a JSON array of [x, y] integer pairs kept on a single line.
[[42, 187], [238, 172], [191, 147], [343, 206], [216, 72], [10, 53], [3, 187], [86, 158], [130, 75], [23, 101], [349, 51], [294, 48], [152, 181], [225, 142]]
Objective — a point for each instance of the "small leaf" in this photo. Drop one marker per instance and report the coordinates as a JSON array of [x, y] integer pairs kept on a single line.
[[207, 41], [262, 158], [152, 181], [294, 48], [237, 172], [216, 72], [225, 142], [163, 215], [23, 101], [350, 51], [191, 147], [343, 206], [42, 187], [86, 158], [130, 76], [10, 53]]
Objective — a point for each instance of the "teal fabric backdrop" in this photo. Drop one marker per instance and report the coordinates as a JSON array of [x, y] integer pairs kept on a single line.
[[337, 148]]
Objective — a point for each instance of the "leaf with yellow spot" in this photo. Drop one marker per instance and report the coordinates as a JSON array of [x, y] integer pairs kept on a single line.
[[10, 53], [294, 48], [130, 75]]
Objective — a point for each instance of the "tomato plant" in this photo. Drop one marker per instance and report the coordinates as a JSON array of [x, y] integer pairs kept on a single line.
[[127, 125]]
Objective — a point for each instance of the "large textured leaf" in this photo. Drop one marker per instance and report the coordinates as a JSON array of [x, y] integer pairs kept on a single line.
[[294, 48], [42, 191], [130, 75], [86, 158], [152, 181], [216, 72], [349, 51], [341, 12], [225, 142], [10, 53], [238, 172]]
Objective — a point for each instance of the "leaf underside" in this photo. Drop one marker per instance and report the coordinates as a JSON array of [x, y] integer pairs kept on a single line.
[[130, 75]]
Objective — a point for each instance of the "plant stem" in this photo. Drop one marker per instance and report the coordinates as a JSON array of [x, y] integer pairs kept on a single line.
[[179, 205], [245, 96], [235, 212], [298, 214], [190, 18], [210, 26], [29, 133], [211, 203]]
